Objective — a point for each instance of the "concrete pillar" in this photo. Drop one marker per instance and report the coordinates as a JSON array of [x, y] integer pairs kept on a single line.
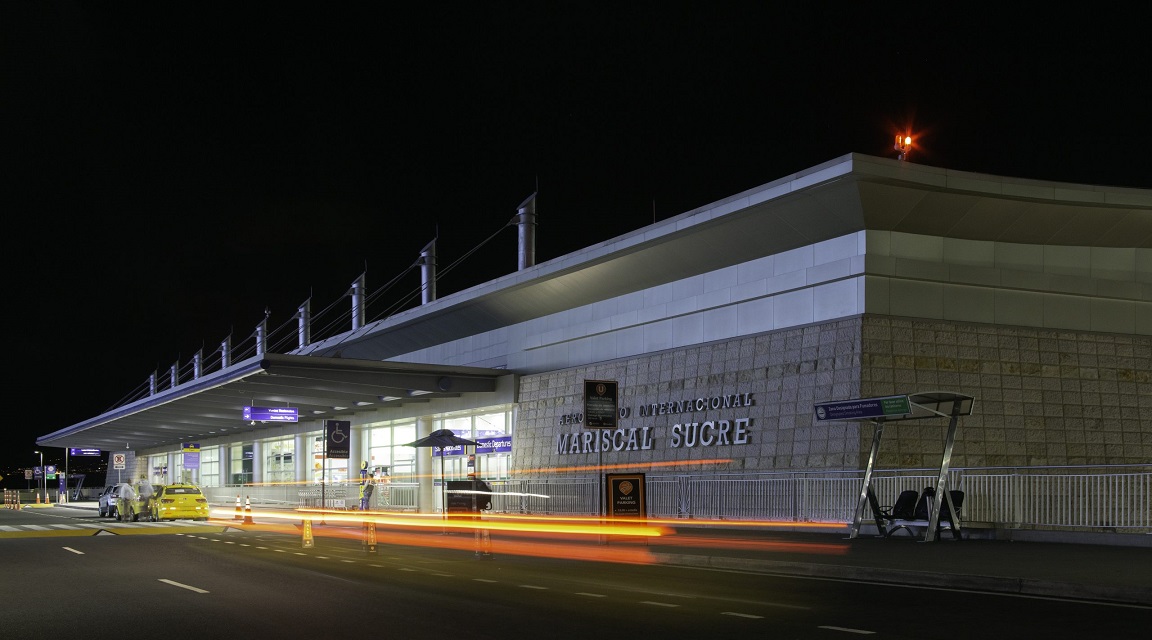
[[355, 454], [426, 496], [302, 457], [257, 462]]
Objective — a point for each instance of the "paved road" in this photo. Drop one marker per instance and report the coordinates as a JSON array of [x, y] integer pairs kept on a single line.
[[1101, 572]]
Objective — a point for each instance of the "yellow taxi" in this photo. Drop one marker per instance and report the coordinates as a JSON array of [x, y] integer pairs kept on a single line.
[[179, 501], [135, 500]]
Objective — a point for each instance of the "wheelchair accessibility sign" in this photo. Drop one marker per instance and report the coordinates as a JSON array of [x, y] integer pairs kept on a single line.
[[338, 434]]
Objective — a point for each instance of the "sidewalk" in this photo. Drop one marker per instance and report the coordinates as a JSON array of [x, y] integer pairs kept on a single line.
[[1104, 572]]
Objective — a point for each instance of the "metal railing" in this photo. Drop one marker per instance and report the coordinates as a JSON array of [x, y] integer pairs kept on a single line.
[[1082, 498]]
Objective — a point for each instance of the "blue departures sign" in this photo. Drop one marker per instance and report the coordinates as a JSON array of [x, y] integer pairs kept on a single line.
[[864, 408], [272, 414]]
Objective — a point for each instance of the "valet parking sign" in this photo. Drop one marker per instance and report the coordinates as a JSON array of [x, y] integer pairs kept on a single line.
[[600, 404]]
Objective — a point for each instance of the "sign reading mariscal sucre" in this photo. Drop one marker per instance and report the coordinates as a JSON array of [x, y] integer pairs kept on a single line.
[[716, 432]]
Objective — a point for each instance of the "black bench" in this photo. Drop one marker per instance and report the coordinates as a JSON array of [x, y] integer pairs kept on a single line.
[[916, 523]]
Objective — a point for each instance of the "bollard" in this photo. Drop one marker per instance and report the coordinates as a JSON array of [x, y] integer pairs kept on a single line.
[[247, 510], [370, 536], [308, 542], [239, 516]]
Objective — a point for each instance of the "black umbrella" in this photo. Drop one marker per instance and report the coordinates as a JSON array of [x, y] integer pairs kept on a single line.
[[442, 438]]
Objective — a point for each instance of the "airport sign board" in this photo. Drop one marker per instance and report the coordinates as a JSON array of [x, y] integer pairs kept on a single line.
[[73, 451], [864, 408], [272, 414]]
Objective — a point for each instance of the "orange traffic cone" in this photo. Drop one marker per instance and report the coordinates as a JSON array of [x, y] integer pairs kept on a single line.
[[247, 510], [238, 517], [37, 497]]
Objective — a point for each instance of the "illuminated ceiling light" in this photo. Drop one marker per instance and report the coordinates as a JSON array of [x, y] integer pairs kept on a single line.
[[339, 408], [418, 392], [317, 412], [362, 403], [388, 398]]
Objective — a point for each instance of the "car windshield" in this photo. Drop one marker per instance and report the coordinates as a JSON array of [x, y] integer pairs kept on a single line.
[[182, 490]]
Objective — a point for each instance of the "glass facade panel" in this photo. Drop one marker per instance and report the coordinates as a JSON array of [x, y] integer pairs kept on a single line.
[[332, 470], [491, 466], [387, 453], [210, 467], [241, 463], [279, 465]]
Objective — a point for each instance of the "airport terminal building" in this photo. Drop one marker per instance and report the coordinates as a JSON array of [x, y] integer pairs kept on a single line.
[[721, 328]]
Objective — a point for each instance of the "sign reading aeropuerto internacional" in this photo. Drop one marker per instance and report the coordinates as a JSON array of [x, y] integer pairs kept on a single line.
[[600, 404], [864, 408]]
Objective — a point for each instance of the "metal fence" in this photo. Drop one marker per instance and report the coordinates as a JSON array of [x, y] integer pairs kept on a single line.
[[1089, 498]]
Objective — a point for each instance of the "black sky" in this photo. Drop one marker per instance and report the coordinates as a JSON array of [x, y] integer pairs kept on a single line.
[[171, 170]]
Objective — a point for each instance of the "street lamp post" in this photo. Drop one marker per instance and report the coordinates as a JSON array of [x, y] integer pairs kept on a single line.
[[43, 476]]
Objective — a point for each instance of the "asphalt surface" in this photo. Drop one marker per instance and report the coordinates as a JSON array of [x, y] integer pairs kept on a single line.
[[1118, 570]]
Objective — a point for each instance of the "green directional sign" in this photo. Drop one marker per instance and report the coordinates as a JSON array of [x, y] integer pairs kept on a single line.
[[864, 408]]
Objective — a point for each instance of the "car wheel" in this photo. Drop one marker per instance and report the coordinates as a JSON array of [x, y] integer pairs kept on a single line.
[[101, 512], [116, 514], [133, 516]]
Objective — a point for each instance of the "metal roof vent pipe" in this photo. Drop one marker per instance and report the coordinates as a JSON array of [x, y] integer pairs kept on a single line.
[[304, 324], [526, 233], [262, 334], [358, 303], [428, 272]]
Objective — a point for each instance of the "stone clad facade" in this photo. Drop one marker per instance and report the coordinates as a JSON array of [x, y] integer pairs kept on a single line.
[[1044, 398]]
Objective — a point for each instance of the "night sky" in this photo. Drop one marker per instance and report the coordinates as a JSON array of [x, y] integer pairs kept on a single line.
[[172, 170]]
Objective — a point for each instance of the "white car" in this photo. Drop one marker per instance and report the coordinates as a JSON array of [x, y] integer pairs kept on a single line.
[[108, 499]]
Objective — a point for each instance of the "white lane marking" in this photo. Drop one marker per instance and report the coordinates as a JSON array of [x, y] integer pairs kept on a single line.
[[533, 586], [406, 569], [347, 561], [79, 553], [483, 580], [591, 595], [378, 566], [848, 630], [741, 615], [299, 553], [659, 604], [182, 586]]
